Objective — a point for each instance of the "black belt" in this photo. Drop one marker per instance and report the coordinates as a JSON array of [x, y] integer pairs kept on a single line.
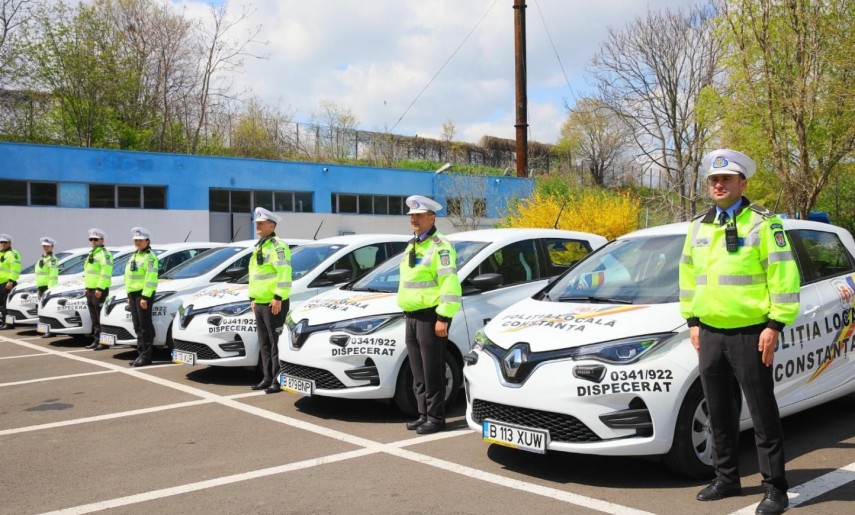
[[420, 312]]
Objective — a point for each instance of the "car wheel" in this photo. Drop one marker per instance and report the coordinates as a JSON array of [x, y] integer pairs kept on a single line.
[[405, 397], [691, 451]]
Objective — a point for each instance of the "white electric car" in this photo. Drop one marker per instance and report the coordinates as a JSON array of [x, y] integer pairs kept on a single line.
[[216, 326], [600, 362], [22, 305], [63, 309], [349, 342]]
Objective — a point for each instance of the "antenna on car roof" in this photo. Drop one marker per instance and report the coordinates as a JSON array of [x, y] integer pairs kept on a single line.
[[775, 209], [315, 237], [188, 235], [235, 234], [555, 226]]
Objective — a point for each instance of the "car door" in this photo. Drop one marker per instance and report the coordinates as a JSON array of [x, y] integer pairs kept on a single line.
[[814, 350]]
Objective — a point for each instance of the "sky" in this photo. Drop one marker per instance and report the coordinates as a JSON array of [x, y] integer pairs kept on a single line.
[[375, 58]]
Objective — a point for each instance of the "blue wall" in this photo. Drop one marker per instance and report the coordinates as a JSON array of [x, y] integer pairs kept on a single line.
[[188, 178]]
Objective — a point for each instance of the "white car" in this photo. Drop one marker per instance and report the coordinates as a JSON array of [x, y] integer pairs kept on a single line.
[[601, 363], [63, 309], [220, 264], [216, 326], [349, 342], [22, 305]]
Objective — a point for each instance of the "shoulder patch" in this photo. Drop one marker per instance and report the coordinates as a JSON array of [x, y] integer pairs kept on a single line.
[[280, 253], [776, 226], [445, 257], [780, 239], [760, 210]]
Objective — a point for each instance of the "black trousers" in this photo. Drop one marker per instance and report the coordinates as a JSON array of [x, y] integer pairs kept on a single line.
[[269, 328], [143, 325], [729, 353], [94, 304], [4, 295], [426, 351]]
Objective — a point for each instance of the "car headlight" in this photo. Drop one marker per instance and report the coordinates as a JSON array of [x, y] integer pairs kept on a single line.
[[112, 302], [70, 294], [18, 291], [161, 295], [233, 309], [621, 352], [365, 325], [481, 340]]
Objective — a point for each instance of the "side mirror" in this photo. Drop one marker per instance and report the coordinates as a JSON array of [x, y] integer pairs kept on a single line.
[[339, 275], [487, 282]]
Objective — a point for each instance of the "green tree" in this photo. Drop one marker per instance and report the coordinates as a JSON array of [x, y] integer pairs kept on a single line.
[[789, 97]]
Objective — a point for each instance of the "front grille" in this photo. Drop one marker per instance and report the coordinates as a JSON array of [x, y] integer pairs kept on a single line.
[[202, 351], [17, 314], [322, 378], [52, 322], [562, 428], [120, 332]]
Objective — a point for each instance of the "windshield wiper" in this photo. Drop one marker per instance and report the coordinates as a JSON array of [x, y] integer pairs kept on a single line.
[[376, 290], [593, 299]]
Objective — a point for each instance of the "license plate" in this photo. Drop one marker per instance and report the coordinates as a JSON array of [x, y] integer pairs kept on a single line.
[[179, 357], [10, 319], [296, 385], [517, 437], [107, 339], [43, 328]]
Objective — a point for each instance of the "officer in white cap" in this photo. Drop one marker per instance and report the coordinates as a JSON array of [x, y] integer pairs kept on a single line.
[[269, 292], [97, 278], [47, 267], [141, 285], [429, 294], [739, 287], [10, 271]]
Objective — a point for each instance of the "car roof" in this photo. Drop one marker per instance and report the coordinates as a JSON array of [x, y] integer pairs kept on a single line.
[[186, 245], [511, 234], [682, 228], [350, 239]]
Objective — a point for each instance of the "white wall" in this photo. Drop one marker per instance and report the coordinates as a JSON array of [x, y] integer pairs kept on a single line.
[[69, 227]]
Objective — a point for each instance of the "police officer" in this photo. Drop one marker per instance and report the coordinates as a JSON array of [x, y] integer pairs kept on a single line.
[[429, 294], [47, 267], [269, 289], [97, 276], [141, 285], [10, 271], [739, 287]]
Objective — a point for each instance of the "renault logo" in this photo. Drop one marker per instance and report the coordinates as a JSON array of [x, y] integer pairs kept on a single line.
[[514, 359]]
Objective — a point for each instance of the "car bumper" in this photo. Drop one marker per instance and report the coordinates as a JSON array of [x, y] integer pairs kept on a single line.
[[72, 317], [25, 312], [224, 345], [119, 323], [630, 411]]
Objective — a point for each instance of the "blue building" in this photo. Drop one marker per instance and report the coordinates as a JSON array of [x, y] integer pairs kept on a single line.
[[62, 191]]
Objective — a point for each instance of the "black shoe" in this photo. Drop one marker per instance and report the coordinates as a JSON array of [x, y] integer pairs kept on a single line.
[[139, 363], [92, 345], [273, 388], [719, 489], [261, 386], [774, 502], [412, 426], [98, 346], [430, 428]]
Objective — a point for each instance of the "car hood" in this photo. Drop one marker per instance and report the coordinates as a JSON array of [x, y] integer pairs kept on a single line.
[[547, 326], [217, 295], [338, 304], [68, 285]]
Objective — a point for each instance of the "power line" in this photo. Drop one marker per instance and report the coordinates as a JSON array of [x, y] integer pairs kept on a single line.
[[443, 65], [560, 64]]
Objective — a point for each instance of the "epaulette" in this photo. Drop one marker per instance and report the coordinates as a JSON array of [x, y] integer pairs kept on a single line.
[[437, 239], [760, 210]]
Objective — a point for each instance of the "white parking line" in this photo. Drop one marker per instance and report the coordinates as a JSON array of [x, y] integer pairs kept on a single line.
[[57, 378], [814, 488], [26, 356]]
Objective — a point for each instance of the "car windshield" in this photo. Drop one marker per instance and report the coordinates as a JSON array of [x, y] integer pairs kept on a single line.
[[120, 262], [75, 264], [385, 277], [203, 263], [630, 271], [306, 257], [32, 268]]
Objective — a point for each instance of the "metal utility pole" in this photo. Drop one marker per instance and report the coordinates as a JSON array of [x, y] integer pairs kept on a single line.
[[521, 93]]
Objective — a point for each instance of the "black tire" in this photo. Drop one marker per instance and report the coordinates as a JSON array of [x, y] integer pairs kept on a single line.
[[691, 450], [405, 397]]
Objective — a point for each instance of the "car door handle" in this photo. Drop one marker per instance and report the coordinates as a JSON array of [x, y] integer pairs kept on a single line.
[[811, 312]]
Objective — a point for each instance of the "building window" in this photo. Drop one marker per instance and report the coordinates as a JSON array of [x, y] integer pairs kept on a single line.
[[244, 201], [24, 193], [122, 196], [368, 204]]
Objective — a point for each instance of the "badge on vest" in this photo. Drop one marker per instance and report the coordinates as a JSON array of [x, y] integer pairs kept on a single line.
[[779, 239], [445, 257], [281, 253], [776, 226]]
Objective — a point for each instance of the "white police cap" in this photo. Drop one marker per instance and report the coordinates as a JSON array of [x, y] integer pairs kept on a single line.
[[141, 233], [5, 237], [724, 161], [97, 233], [419, 204], [262, 214], [47, 240]]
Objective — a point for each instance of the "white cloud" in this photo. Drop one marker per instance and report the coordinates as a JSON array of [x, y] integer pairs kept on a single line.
[[375, 56]]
